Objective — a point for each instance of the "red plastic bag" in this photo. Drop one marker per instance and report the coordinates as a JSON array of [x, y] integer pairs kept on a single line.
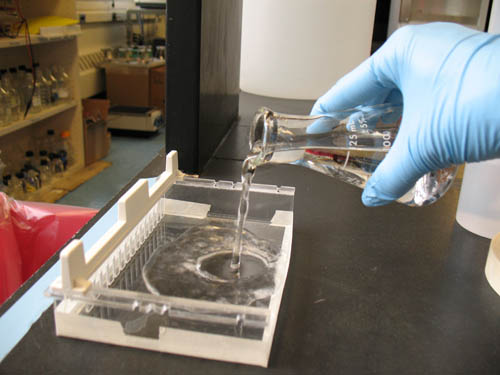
[[10, 259], [30, 233]]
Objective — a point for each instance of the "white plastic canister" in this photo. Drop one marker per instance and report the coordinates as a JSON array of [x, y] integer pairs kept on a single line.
[[479, 203]]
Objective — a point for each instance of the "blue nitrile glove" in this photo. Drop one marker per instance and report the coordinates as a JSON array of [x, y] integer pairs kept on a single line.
[[448, 78]]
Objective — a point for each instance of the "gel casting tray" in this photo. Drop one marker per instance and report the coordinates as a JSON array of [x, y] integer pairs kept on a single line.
[[140, 285]]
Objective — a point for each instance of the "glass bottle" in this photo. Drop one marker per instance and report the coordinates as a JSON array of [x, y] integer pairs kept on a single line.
[[6, 100], [63, 84], [43, 155], [7, 184], [32, 174], [18, 188], [6, 172], [20, 80], [54, 85], [64, 150], [43, 85], [30, 182], [26, 80], [45, 170], [50, 143], [33, 92], [13, 75], [21, 72], [56, 164], [14, 101], [160, 52], [347, 145], [4, 107]]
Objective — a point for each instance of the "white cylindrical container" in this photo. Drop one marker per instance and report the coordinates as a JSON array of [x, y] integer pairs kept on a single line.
[[494, 24], [298, 49], [479, 203], [492, 269]]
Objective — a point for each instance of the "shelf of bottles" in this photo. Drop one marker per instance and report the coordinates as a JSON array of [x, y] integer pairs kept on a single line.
[[39, 99], [46, 162], [37, 117], [41, 131], [38, 157]]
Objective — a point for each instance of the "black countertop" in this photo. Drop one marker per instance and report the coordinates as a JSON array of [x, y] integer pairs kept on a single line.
[[390, 290]]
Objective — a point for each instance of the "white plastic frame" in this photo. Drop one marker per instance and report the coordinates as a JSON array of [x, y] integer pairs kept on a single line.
[[76, 267]]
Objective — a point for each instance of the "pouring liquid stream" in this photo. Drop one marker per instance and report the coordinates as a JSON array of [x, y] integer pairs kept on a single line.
[[247, 173], [237, 262]]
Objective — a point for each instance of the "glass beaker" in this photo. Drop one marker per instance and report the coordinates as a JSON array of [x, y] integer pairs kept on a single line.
[[160, 52], [347, 145], [123, 53]]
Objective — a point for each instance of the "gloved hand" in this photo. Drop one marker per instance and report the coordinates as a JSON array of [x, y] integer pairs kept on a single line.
[[448, 79]]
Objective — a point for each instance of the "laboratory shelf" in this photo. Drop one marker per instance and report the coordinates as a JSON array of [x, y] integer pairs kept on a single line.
[[37, 39], [36, 117]]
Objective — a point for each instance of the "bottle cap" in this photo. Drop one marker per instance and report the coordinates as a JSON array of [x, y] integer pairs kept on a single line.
[[13, 70], [43, 153], [50, 132], [44, 162], [65, 134], [20, 174], [21, 67], [29, 153]]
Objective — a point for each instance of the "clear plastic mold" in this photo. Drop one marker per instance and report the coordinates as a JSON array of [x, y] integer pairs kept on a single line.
[[139, 284]]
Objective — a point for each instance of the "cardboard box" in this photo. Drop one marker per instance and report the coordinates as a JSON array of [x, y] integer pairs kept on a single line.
[[95, 109], [127, 85], [157, 82], [97, 139]]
